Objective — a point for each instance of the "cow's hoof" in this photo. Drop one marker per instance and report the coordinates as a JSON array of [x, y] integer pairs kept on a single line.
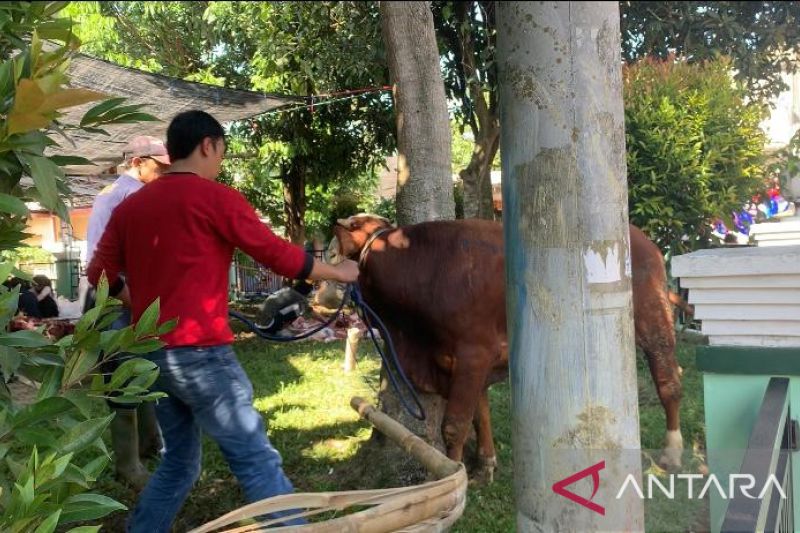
[[483, 474], [671, 458]]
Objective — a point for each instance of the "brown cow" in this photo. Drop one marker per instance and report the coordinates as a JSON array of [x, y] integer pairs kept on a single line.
[[440, 289]]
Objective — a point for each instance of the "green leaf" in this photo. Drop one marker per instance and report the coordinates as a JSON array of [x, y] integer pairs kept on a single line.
[[43, 410], [167, 326], [44, 173], [82, 507], [77, 368], [13, 205], [101, 295], [50, 523], [10, 360], [95, 467], [64, 160], [82, 401], [103, 324], [25, 491], [85, 529], [147, 322], [145, 346], [51, 384], [83, 434], [25, 339], [8, 305], [88, 319], [132, 118], [41, 438], [99, 109], [128, 369]]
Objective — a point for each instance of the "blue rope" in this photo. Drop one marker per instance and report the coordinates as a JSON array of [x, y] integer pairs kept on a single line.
[[367, 315], [358, 300]]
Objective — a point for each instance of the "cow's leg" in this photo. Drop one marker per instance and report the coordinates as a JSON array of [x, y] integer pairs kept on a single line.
[[487, 461], [466, 384], [660, 355]]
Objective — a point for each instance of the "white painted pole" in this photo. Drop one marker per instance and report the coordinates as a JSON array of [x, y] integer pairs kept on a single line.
[[572, 358]]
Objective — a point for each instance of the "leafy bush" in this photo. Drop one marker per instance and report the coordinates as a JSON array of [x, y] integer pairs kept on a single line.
[[51, 449], [694, 149]]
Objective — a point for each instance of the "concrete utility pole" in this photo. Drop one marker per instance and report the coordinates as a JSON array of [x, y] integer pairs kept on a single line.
[[565, 198]]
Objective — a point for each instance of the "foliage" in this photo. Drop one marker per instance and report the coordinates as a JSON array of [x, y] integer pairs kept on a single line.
[[385, 207], [452, 20], [290, 160], [462, 147], [694, 149], [762, 38], [52, 448], [175, 39], [27, 254]]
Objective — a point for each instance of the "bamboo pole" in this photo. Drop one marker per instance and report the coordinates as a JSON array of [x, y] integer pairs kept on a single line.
[[432, 506]]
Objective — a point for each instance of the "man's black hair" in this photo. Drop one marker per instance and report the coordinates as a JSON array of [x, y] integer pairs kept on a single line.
[[188, 129]]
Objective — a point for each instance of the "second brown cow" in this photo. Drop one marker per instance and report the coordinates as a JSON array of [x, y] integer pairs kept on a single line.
[[440, 289]]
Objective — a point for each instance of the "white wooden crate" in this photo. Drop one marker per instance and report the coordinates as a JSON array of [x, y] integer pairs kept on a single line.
[[746, 296]]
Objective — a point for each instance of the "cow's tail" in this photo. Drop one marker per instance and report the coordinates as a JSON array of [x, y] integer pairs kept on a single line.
[[676, 300]]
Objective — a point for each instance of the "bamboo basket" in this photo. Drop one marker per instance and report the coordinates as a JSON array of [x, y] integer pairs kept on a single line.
[[432, 506]]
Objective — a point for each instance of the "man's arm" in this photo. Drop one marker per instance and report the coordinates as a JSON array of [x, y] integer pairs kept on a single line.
[[239, 224]]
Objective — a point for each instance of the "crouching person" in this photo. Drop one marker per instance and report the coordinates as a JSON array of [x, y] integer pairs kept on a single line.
[[174, 240]]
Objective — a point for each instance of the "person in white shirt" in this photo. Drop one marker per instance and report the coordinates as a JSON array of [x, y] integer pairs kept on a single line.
[[134, 432]]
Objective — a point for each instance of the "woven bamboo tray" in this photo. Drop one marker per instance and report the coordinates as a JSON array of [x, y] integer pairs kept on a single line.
[[432, 506]]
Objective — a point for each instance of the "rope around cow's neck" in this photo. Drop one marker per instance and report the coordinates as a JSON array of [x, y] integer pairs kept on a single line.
[[365, 250], [368, 315]]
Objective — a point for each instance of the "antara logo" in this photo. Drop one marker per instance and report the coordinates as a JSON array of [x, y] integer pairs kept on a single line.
[[594, 471], [746, 483]]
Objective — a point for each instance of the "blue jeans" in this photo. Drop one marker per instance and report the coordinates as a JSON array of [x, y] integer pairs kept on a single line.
[[209, 391]]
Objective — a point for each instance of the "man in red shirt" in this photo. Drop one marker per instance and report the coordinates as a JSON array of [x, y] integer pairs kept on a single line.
[[174, 240]]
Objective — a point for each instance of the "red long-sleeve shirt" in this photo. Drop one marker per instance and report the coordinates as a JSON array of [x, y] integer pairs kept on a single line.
[[174, 239]]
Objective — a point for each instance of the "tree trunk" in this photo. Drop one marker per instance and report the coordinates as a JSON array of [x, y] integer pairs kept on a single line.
[[294, 203], [424, 182], [424, 192], [570, 319], [477, 177]]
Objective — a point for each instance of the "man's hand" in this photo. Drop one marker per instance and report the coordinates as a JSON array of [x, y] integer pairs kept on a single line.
[[124, 296], [344, 272], [347, 271]]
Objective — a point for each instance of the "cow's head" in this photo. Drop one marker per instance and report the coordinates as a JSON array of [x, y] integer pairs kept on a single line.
[[352, 233]]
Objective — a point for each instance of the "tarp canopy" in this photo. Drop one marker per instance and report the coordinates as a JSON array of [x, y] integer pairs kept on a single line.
[[165, 97]]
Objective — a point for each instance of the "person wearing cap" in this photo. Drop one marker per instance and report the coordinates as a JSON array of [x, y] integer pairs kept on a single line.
[[175, 240], [134, 431]]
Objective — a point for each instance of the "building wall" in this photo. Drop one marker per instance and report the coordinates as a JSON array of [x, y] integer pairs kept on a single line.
[[784, 120]]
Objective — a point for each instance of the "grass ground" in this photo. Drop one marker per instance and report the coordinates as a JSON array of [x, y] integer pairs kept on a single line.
[[304, 396]]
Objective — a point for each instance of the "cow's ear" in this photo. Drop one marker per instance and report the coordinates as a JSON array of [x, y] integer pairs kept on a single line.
[[350, 223]]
